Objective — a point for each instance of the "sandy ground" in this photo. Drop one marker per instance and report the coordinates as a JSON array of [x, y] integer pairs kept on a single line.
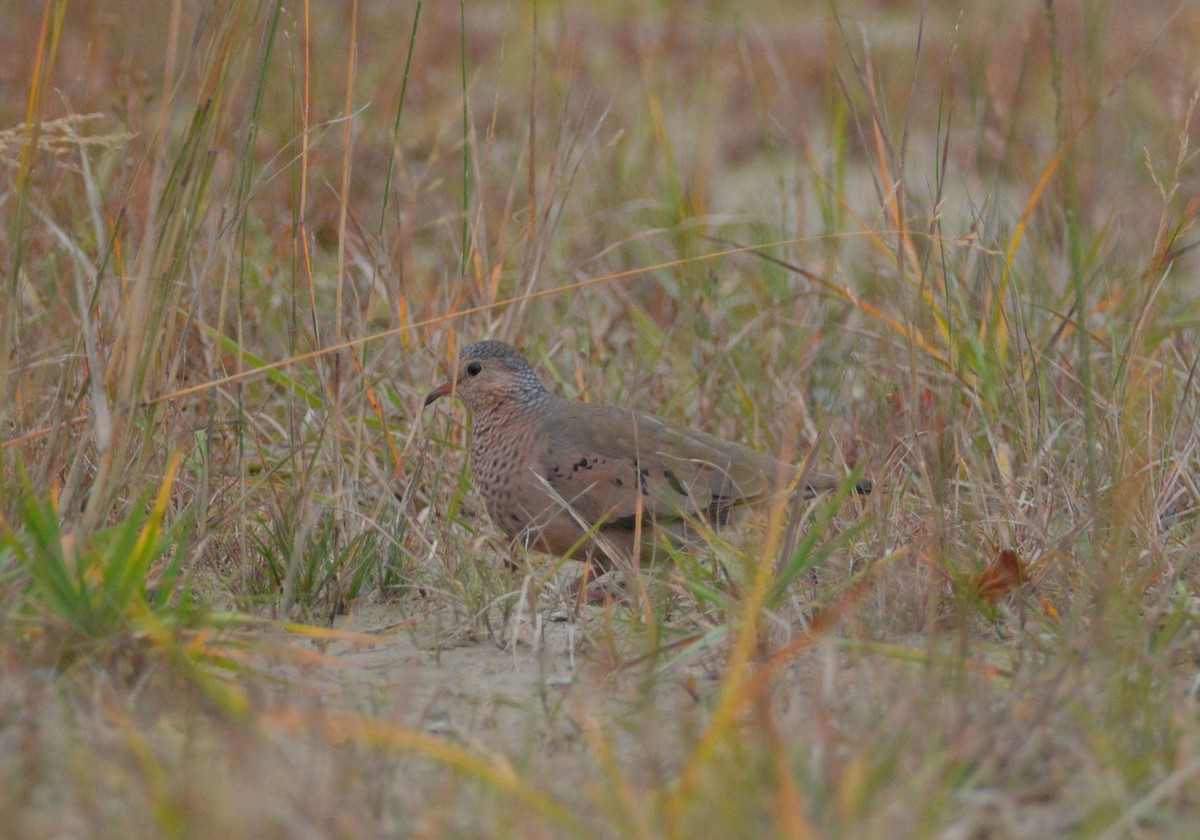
[[530, 703], [520, 698]]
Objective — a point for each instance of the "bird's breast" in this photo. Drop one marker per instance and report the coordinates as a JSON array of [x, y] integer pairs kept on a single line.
[[505, 461]]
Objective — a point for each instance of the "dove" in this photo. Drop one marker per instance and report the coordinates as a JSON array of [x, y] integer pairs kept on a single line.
[[601, 482]]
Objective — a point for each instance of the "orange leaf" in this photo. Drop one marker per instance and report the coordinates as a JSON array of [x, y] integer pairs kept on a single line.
[[1001, 577]]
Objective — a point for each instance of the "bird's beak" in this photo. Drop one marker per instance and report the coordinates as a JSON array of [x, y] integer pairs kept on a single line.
[[440, 391]]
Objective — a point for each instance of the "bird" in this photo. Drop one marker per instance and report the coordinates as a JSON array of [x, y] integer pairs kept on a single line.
[[601, 483]]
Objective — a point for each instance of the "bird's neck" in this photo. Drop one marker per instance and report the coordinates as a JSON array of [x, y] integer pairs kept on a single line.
[[508, 409]]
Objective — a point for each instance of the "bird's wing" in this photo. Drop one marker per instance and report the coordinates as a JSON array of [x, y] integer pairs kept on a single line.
[[603, 459]]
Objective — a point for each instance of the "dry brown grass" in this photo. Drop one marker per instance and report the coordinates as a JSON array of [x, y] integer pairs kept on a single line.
[[960, 245]]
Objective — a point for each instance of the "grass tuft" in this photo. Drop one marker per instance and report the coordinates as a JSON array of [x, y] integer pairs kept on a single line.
[[248, 589]]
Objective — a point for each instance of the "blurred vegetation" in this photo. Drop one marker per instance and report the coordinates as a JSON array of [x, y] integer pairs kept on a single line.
[[950, 246]]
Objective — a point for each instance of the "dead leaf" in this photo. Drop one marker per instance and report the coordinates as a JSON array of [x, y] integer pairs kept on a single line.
[[1001, 577]]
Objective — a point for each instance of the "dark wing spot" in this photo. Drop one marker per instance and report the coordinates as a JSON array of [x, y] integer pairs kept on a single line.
[[673, 480], [622, 523]]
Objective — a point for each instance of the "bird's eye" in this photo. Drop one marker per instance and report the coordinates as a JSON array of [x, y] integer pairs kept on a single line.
[[474, 369]]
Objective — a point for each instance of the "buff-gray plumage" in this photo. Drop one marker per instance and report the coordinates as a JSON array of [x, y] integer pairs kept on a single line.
[[571, 478]]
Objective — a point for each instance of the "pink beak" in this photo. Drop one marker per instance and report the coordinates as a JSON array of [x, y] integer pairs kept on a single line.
[[439, 392]]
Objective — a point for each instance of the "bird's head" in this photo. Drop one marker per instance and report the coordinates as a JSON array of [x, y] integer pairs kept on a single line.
[[490, 374]]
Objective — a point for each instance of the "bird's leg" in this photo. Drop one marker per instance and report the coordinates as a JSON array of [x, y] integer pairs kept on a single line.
[[595, 566]]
